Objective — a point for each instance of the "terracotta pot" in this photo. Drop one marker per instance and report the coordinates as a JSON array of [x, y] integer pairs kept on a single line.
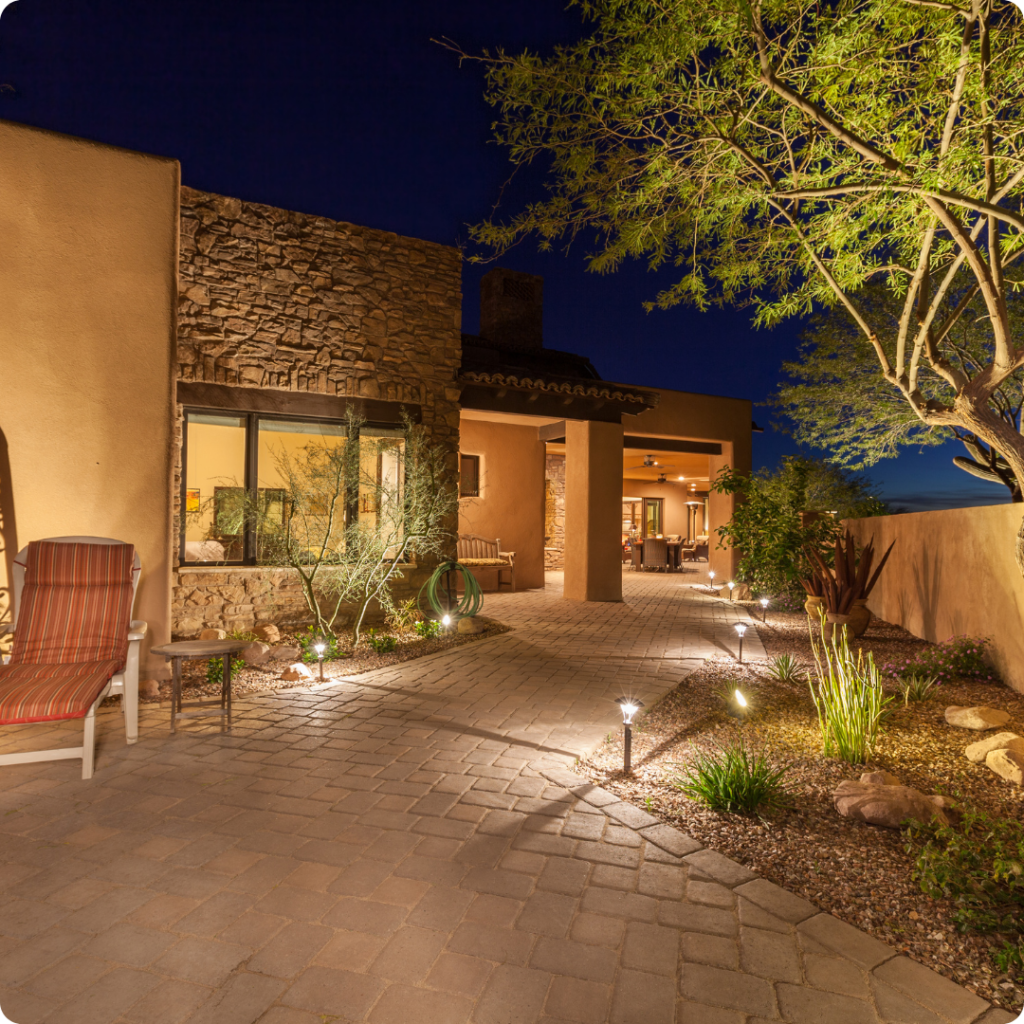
[[813, 607], [860, 617], [832, 620]]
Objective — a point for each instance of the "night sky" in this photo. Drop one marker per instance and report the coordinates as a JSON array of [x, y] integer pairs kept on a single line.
[[348, 110]]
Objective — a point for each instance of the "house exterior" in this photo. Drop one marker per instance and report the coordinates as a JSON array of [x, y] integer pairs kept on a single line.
[[161, 344]]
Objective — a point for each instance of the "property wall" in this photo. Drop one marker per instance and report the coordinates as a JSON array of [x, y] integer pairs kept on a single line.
[[953, 573], [511, 502], [88, 270], [274, 299]]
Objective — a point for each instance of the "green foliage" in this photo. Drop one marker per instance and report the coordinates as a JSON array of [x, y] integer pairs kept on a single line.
[[959, 657], [242, 635], [734, 779], [215, 669], [382, 643], [784, 668], [766, 528], [1009, 958], [429, 628], [916, 688], [849, 699], [404, 617], [312, 636], [978, 864]]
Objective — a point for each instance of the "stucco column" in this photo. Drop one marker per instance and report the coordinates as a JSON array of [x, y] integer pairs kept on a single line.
[[593, 511], [720, 509]]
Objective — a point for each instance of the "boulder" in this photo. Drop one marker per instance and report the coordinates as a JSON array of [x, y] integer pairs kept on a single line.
[[977, 752], [296, 672], [979, 719], [256, 653], [267, 632], [880, 778], [1008, 764], [149, 688], [212, 634], [285, 653], [471, 626], [888, 806]]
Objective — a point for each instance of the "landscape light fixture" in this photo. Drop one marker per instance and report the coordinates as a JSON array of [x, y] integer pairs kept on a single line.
[[630, 706], [711, 576], [764, 609], [320, 648], [731, 585], [741, 628], [741, 705], [446, 621]]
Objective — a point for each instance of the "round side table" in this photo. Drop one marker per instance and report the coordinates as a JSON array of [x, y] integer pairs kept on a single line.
[[184, 650]]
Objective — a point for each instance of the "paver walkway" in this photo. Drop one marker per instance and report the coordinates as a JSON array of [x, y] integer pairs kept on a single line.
[[409, 848]]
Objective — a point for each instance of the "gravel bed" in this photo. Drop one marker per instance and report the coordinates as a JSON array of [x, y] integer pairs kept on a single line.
[[860, 873]]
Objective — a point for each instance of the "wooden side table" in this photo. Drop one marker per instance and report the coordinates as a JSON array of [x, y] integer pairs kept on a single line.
[[184, 650]]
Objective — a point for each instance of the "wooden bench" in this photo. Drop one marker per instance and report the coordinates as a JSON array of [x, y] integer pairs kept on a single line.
[[483, 553]]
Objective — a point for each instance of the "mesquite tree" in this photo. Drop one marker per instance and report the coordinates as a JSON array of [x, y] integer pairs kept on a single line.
[[785, 153]]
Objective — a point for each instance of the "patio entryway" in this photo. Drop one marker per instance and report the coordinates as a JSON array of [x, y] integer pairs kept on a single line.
[[402, 847]]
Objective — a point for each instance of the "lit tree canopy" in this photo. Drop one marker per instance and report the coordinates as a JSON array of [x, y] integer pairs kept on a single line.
[[784, 153]]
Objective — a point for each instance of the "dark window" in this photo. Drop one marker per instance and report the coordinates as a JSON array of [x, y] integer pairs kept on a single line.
[[469, 476]]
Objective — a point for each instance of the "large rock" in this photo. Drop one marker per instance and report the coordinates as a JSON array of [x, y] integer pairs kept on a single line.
[[1008, 764], [888, 806], [977, 752], [212, 634], [880, 778], [296, 672], [285, 653], [267, 632], [471, 626], [256, 653], [978, 719]]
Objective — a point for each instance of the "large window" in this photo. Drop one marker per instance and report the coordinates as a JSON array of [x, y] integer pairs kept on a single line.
[[250, 480]]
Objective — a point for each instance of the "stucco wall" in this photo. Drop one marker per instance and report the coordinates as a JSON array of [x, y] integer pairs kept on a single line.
[[511, 502], [286, 301], [88, 267], [953, 573]]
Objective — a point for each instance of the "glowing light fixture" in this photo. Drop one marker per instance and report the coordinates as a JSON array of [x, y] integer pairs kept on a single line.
[[446, 621], [740, 699], [741, 628], [630, 706], [764, 609], [320, 648], [731, 584]]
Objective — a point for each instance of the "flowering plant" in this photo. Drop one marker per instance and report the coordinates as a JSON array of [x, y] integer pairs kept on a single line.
[[962, 657]]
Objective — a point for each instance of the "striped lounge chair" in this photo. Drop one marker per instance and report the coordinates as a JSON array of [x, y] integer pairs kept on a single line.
[[74, 640]]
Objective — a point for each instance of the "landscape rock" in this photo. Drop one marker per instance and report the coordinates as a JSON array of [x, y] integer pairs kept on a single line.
[[471, 626], [888, 806], [149, 688], [212, 634], [977, 752], [256, 653], [285, 653], [880, 778], [296, 672], [980, 719], [267, 632], [1008, 764]]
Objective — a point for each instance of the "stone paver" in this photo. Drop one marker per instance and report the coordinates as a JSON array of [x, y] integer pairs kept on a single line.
[[409, 845]]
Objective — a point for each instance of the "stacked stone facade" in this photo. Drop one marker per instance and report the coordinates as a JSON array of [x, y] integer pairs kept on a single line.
[[554, 512], [279, 300]]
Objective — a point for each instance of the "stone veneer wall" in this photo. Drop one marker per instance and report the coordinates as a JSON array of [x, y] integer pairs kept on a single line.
[[554, 512], [269, 298]]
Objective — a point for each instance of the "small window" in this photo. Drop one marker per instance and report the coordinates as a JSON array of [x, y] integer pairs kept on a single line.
[[469, 476]]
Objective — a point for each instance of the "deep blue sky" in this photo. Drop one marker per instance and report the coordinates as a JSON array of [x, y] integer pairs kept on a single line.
[[349, 110]]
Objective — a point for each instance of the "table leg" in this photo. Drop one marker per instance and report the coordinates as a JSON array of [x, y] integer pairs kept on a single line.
[[226, 691], [175, 693]]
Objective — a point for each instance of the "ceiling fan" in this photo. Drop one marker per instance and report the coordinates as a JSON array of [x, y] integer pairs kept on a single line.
[[649, 462]]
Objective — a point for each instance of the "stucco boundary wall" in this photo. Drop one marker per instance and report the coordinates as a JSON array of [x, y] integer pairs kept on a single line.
[[952, 573]]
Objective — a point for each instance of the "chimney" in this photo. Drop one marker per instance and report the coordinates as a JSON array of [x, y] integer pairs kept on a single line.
[[512, 309]]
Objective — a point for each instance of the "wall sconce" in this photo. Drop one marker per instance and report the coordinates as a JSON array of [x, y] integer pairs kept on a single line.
[[741, 628], [320, 648], [630, 706]]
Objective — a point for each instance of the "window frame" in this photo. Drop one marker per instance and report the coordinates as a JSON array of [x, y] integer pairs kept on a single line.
[[660, 502], [251, 473], [476, 460]]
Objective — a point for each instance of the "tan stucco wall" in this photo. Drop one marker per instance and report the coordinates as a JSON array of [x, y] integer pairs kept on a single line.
[[88, 292], [953, 573], [511, 502]]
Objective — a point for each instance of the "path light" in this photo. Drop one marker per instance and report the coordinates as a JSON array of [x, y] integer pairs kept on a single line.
[[630, 706], [764, 609], [731, 585], [320, 648], [711, 576], [741, 628], [446, 621]]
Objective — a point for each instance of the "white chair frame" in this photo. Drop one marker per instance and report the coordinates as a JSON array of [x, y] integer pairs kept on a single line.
[[125, 682]]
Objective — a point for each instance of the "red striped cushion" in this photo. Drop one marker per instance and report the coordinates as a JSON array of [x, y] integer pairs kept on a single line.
[[48, 693], [76, 604]]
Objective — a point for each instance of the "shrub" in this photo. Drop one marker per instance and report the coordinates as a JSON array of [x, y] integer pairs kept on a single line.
[[979, 864], [243, 635], [215, 669], [916, 688], [784, 668], [734, 779], [428, 628], [1009, 957], [404, 616], [311, 637], [959, 656], [786, 602], [381, 642], [849, 699]]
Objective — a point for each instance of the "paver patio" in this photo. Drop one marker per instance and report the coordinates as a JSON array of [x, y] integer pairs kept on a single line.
[[408, 846]]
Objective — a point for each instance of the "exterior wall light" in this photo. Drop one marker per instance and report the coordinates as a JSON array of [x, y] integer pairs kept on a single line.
[[764, 609], [741, 628], [630, 706], [320, 648]]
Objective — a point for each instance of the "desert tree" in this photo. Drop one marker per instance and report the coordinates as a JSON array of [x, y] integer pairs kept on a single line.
[[784, 153]]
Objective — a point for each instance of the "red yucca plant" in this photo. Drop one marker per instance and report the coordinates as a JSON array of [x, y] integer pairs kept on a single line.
[[852, 578]]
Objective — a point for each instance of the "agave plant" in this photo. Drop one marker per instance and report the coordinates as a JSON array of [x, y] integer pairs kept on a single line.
[[852, 578]]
